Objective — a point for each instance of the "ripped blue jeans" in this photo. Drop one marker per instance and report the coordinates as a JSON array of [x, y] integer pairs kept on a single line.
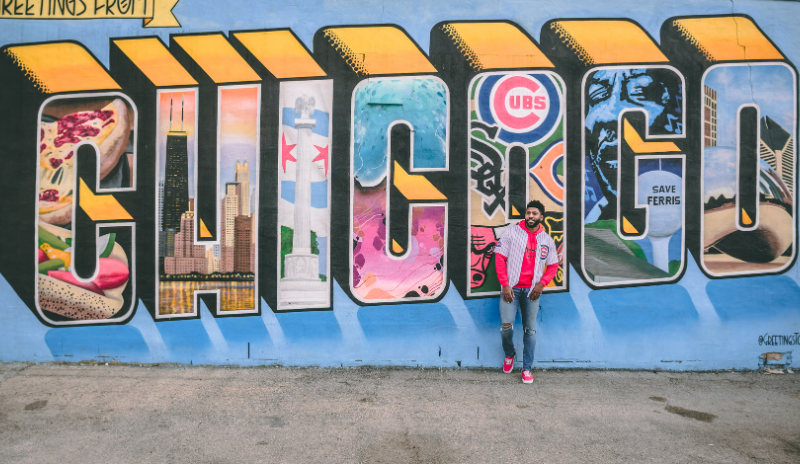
[[508, 312]]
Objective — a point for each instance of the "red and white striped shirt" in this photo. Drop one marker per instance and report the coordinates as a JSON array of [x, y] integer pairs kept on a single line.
[[523, 258]]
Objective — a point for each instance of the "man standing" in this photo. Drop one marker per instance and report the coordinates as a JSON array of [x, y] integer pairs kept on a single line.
[[526, 259]]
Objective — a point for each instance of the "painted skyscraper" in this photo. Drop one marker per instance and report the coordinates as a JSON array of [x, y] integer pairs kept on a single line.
[[160, 205], [243, 237], [709, 117], [176, 177], [229, 210], [243, 178]]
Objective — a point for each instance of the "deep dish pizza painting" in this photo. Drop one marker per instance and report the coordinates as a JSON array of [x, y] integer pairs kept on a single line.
[[108, 123], [63, 125]]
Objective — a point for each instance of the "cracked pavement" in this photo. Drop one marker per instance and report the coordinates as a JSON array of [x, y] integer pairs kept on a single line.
[[164, 414]]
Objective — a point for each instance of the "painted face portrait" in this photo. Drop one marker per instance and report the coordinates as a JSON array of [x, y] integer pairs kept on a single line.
[[608, 93]]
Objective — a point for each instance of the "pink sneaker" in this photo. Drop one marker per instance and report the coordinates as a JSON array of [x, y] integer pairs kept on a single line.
[[527, 377], [508, 363]]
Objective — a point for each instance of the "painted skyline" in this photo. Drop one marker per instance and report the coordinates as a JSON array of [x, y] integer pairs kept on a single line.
[[238, 134], [188, 100]]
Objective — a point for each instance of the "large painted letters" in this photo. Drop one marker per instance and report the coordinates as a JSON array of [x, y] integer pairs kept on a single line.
[[633, 201], [73, 162], [195, 259], [631, 182], [400, 128], [85, 239], [304, 192], [743, 110], [517, 154], [396, 140], [184, 171], [741, 237], [511, 106], [226, 268]]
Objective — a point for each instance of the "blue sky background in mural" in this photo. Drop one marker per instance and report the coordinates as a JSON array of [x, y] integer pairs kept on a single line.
[[767, 86], [380, 102], [719, 173]]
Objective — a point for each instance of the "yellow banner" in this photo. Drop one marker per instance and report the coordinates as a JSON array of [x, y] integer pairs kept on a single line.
[[155, 13]]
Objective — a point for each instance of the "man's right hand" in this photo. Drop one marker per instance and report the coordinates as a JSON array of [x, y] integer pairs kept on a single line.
[[508, 294]]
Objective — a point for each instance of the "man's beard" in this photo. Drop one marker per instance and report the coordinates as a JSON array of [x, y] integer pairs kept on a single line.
[[532, 225]]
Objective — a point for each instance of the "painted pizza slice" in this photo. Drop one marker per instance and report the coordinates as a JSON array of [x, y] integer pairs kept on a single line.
[[108, 127]]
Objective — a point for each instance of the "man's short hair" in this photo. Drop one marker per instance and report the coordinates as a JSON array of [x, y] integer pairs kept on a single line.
[[536, 204]]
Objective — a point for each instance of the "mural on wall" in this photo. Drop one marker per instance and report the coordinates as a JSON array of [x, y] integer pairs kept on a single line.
[[291, 86], [616, 249], [383, 269], [744, 114], [214, 237], [67, 108], [629, 113], [304, 192], [368, 173], [188, 267], [106, 124], [510, 102], [517, 154], [735, 242]]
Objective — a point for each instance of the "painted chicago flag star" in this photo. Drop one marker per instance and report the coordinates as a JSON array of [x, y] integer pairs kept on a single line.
[[286, 152], [323, 156]]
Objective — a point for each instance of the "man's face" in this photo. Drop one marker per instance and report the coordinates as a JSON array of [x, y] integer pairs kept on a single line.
[[532, 218]]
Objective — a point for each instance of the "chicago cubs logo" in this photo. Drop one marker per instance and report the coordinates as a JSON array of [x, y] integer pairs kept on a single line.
[[544, 251], [519, 103], [526, 107]]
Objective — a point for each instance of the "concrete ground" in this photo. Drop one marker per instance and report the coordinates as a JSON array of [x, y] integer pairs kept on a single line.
[[162, 414]]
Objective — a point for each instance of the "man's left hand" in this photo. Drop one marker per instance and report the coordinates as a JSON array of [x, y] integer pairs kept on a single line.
[[537, 291]]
